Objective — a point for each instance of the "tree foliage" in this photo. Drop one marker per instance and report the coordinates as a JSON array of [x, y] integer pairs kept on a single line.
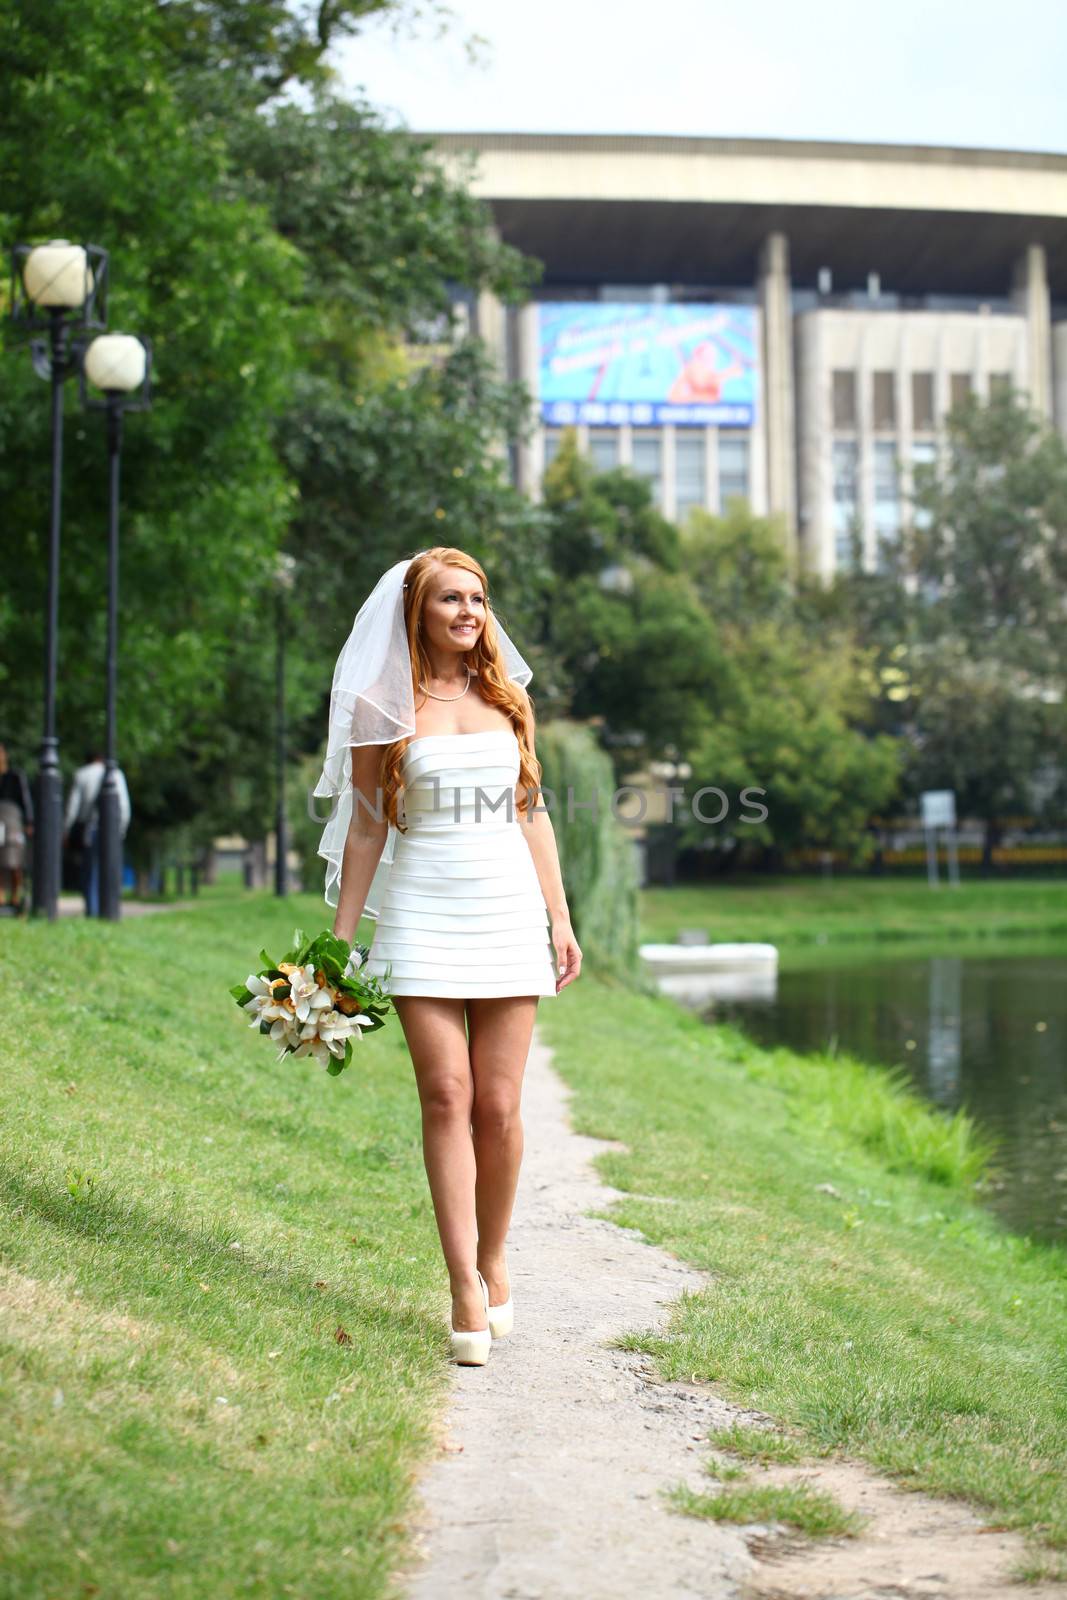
[[261, 47], [630, 641], [988, 547], [792, 732], [968, 618], [96, 145], [290, 264]]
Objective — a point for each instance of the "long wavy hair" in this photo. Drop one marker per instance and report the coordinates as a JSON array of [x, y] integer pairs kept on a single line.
[[484, 659]]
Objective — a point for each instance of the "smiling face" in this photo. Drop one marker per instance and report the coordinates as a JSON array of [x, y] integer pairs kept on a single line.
[[453, 617]]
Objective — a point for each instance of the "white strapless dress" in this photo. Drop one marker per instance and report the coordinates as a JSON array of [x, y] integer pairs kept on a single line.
[[463, 914]]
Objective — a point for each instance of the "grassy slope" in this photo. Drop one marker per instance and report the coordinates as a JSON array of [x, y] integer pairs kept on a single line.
[[789, 911], [178, 1416], [895, 1319], [185, 1226]]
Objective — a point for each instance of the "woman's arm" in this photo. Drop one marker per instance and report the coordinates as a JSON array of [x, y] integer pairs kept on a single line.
[[539, 834], [364, 842]]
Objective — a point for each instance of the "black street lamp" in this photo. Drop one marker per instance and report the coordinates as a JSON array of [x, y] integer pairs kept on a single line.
[[284, 574], [57, 289], [119, 365]]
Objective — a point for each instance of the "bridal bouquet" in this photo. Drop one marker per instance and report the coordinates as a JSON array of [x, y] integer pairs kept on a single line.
[[315, 1001]]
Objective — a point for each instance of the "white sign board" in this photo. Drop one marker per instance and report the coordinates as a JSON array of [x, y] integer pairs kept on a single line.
[[938, 808]]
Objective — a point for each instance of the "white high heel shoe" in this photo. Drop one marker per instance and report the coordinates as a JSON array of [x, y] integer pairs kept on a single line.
[[501, 1317], [470, 1347]]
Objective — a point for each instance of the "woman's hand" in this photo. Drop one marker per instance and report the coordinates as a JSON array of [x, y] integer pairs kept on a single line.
[[568, 955]]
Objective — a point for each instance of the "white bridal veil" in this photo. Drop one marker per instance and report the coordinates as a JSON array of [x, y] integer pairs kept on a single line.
[[372, 702]]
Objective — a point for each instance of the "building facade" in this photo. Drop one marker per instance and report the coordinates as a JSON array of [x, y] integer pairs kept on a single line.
[[785, 322]]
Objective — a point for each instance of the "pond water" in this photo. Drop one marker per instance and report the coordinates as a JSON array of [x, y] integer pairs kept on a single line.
[[986, 1032]]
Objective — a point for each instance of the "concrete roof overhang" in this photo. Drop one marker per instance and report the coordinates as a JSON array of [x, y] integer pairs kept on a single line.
[[696, 211]]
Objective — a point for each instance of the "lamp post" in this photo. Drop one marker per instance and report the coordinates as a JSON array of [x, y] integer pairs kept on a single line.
[[57, 289], [119, 365], [284, 575]]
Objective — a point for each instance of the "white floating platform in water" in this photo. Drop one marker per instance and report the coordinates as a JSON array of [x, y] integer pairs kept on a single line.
[[701, 972]]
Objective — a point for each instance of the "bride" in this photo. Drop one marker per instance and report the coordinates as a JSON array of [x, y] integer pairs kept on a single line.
[[438, 833]]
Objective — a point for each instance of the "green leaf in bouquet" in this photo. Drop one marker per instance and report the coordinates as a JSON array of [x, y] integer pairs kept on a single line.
[[265, 961], [241, 993]]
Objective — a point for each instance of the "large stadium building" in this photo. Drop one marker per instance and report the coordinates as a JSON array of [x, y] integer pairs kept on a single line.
[[785, 321]]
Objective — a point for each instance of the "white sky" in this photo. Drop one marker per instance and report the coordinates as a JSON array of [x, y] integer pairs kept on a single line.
[[957, 72]]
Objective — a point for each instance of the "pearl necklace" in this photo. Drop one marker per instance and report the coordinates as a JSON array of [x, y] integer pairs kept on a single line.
[[458, 696]]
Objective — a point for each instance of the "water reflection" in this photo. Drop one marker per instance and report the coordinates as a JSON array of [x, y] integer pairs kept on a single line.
[[986, 1032], [944, 1029]]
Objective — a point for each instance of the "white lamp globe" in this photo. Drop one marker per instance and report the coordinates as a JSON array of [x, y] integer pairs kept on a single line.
[[116, 361], [57, 275]]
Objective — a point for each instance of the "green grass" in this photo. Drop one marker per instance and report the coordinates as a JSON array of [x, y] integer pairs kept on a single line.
[[802, 911], [800, 1505], [859, 1294], [223, 1316], [803, 1506], [756, 1444]]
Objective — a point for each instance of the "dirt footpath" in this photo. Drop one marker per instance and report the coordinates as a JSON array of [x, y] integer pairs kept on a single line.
[[553, 1456]]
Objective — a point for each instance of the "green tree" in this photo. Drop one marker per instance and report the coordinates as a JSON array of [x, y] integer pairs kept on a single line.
[[979, 730], [965, 618], [738, 563], [602, 518], [408, 463], [259, 48], [988, 547], [393, 431], [94, 143], [293, 268], [630, 639], [789, 733]]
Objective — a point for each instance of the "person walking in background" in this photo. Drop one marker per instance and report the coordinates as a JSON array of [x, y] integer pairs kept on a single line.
[[16, 829], [82, 822]]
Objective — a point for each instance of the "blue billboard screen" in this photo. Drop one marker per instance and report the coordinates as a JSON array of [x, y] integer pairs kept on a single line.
[[646, 364]]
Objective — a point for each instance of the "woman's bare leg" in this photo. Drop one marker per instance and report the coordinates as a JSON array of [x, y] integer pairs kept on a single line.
[[500, 1033], [436, 1035]]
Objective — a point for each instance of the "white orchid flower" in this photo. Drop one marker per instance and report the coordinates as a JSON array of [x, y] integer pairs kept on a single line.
[[261, 993], [314, 1032], [306, 994], [335, 1025], [315, 1047], [263, 1004], [338, 1026], [285, 1029]]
